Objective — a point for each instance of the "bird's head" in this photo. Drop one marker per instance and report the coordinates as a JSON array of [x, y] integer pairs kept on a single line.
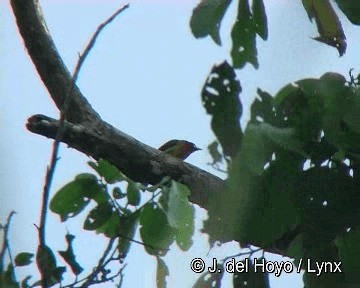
[[179, 148]]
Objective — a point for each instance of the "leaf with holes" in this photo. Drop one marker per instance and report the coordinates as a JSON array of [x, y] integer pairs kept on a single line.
[[71, 199], [220, 97], [243, 37]]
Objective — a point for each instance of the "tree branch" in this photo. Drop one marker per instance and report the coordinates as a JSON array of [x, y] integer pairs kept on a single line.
[[52, 70], [86, 131], [138, 161]]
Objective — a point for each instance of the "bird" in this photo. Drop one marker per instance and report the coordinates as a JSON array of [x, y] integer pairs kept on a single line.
[[179, 148]]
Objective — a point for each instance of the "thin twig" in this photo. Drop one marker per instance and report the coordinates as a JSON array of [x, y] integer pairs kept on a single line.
[[5, 247], [54, 157], [100, 264], [56, 145]]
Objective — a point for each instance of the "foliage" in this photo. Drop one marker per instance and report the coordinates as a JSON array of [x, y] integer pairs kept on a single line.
[[293, 187], [208, 14], [293, 173], [166, 216]]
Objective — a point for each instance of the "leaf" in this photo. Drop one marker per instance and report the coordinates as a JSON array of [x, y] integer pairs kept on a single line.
[[72, 198], [262, 109], [349, 248], [220, 97], [250, 278], [111, 227], [214, 153], [133, 193], [117, 193], [69, 256], [284, 138], [98, 216], [260, 19], [7, 278], [110, 173], [180, 214], [127, 229], [328, 23], [243, 37], [155, 230], [351, 9], [206, 18], [23, 259], [46, 263], [161, 272]]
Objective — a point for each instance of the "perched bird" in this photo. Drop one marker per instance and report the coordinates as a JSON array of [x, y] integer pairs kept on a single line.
[[179, 148]]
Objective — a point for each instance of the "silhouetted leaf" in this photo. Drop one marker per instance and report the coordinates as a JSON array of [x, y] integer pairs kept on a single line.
[[206, 18], [214, 153], [349, 249], [220, 96], [260, 19], [98, 216], [243, 37], [23, 259], [69, 256], [46, 262], [328, 23], [351, 9]]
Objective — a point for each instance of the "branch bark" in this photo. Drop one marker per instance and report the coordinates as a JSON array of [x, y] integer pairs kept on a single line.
[[86, 131]]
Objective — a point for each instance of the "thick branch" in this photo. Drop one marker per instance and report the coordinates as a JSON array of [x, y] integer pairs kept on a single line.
[[137, 160], [52, 70]]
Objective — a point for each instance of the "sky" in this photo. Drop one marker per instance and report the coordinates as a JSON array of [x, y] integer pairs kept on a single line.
[[144, 76]]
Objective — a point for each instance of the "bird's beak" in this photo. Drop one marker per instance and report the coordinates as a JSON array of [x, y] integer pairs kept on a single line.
[[197, 148]]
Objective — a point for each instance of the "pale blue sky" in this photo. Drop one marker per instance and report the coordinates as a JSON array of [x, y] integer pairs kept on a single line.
[[144, 76]]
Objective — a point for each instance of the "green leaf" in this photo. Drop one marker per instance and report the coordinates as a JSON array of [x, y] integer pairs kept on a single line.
[[110, 173], [243, 37], [328, 23], [220, 97], [117, 193], [69, 256], [260, 19], [206, 18], [133, 193], [262, 108], [111, 227], [155, 230], [250, 278], [283, 137], [127, 229], [46, 262], [349, 249], [72, 198], [180, 214], [7, 278], [98, 216], [161, 272], [23, 259], [214, 153], [351, 9]]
